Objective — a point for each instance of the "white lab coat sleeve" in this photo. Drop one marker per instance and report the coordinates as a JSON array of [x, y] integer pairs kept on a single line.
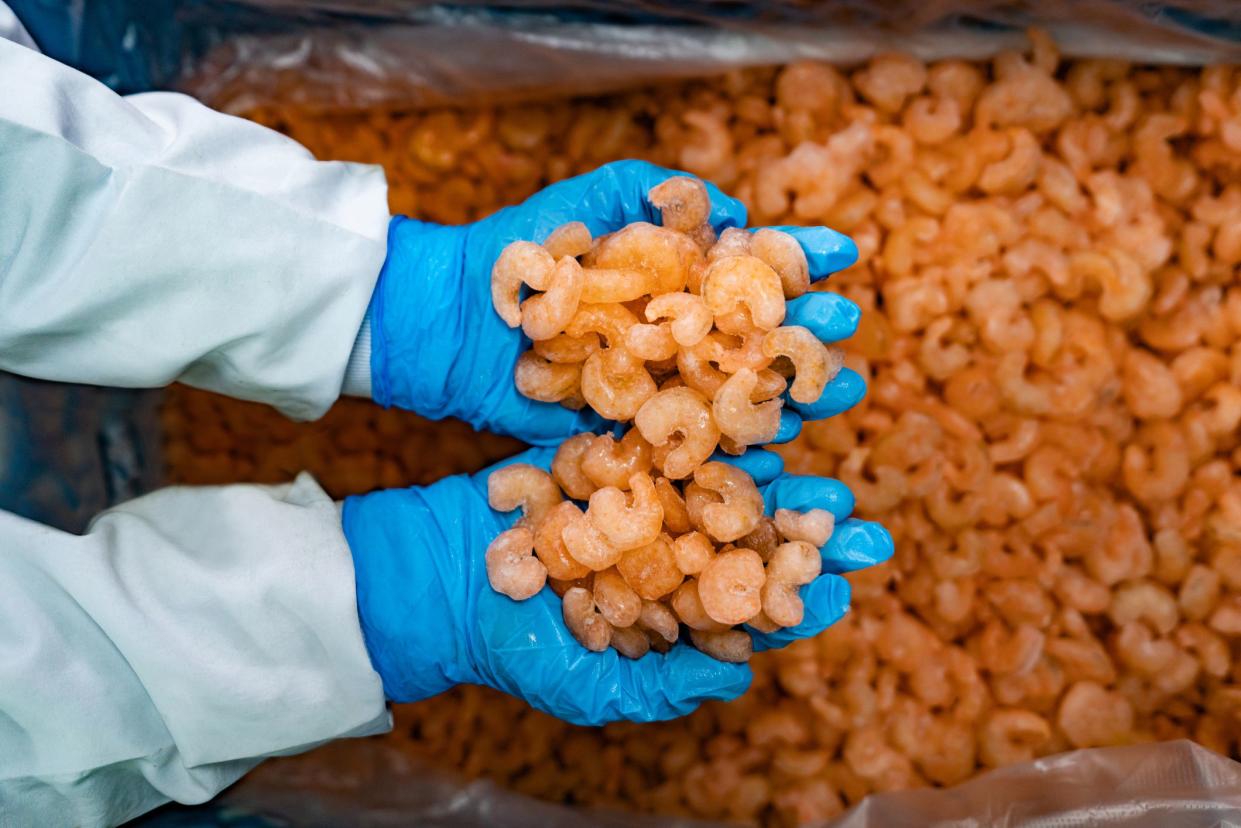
[[193, 632], [161, 655], [147, 239]]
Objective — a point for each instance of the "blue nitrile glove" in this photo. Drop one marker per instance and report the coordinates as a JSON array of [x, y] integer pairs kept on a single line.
[[438, 348], [431, 619]]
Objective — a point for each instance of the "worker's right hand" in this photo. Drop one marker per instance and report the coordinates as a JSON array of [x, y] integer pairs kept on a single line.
[[431, 619], [440, 349]]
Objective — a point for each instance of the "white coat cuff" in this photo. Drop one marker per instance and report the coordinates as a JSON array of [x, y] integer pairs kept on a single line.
[[358, 371]]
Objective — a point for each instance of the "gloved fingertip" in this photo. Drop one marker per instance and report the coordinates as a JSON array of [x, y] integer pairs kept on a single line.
[[841, 255], [829, 316], [790, 426], [763, 465], [826, 600], [846, 390], [857, 544], [805, 492]]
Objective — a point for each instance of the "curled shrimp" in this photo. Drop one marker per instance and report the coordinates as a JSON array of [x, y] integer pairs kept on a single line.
[[549, 544], [679, 412], [682, 202], [587, 544], [1011, 736], [526, 486], [783, 254], [565, 349], [691, 319], [664, 253], [814, 364], [698, 373], [732, 242], [583, 619], [693, 551], [676, 514], [1026, 98], [734, 646], [571, 239], [616, 600], [625, 524], [615, 384], [1124, 288], [889, 79], [687, 604], [738, 417], [1016, 171], [652, 342], [545, 381], [731, 356], [660, 622], [567, 468], [744, 280], [511, 568], [651, 568], [631, 642], [712, 154], [932, 120], [730, 587], [741, 507], [793, 565], [1156, 463], [813, 527], [520, 263], [608, 462], [547, 314], [605, 285], [610, 320]]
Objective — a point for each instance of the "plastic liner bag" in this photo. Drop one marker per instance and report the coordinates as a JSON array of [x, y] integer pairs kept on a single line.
[[391, 53], [351, 54], [67, 452], [373, 785], [1140, 786]]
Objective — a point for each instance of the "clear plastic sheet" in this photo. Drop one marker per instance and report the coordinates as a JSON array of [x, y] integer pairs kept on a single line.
[[371, 785], [331, 54], [354, 54]]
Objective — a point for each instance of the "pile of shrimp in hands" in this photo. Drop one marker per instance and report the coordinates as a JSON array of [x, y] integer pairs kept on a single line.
[[650, 554], [678, 332], [667, 326]]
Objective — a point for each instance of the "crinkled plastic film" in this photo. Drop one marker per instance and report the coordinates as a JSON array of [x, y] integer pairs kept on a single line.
[[371, 785], [355, 54], [1140, 786], [333, 54]]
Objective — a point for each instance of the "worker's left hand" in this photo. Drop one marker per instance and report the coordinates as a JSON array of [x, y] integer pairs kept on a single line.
[[431, 619], [439, 348]]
